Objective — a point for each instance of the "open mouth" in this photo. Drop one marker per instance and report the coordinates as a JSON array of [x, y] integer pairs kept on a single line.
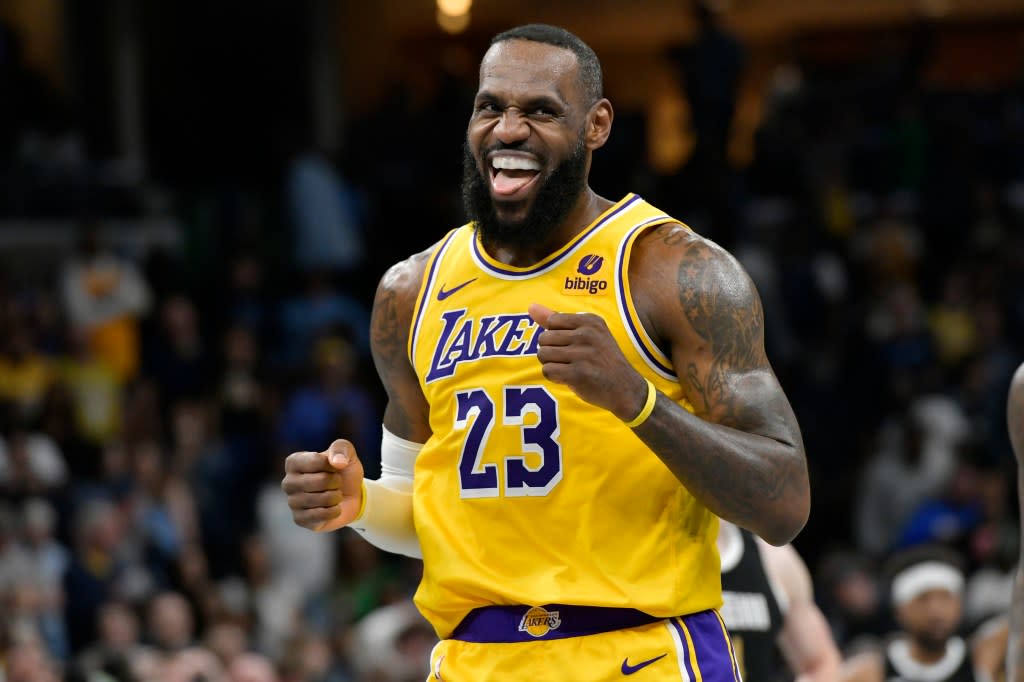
[[512, 175]]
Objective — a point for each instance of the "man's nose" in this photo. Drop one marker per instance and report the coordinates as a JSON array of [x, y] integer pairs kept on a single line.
[[511, 128]]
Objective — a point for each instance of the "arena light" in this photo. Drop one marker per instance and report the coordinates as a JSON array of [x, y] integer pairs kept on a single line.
[[454, 8], [452, 23], [934, 9]]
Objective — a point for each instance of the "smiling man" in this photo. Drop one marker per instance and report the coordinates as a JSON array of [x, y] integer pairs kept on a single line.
[[578, 389]]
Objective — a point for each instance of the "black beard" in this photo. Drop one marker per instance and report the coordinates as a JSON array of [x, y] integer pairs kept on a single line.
[[556, 197]]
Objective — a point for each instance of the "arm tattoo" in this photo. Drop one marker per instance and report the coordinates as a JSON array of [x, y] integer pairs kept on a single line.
[[744, 457], [729, 318], [388, 345], [672, 234], [406, 414]]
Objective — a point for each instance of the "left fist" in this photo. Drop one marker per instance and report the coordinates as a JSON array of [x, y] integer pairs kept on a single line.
[[578, 350]]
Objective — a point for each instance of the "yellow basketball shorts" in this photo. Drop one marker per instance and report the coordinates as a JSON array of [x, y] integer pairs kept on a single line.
[[574, 644]]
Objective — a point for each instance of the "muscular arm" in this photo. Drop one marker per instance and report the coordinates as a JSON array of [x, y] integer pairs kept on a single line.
[[406, 414], [805, 640], [1015, 421], [741, 453], [326, 490]]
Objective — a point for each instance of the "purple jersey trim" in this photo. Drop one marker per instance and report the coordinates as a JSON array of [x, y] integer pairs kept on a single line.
[[501, 624], [685, 654], [711, 647], [425, 298], [494, 269], [638, 335]]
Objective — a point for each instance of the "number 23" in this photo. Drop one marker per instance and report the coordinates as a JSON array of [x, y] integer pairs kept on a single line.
[[474, 411]]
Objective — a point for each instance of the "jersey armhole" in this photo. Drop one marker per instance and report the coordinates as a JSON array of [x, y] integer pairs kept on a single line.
[[426, 286], [645, 346]]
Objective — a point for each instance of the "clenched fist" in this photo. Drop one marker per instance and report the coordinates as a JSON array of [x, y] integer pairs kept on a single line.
[[579, 351], [324, 489]]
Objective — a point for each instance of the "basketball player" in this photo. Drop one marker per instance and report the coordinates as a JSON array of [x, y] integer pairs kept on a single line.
[[1015, 421], [577, 389], [926, 593], [769, 606]]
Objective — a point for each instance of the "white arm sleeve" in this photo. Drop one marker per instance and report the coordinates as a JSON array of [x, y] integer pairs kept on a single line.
[[386, 518]]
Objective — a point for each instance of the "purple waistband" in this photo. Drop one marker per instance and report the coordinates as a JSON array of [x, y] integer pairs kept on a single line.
[[505, 624]]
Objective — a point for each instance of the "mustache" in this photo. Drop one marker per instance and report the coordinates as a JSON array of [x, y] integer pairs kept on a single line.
[[515, 147]]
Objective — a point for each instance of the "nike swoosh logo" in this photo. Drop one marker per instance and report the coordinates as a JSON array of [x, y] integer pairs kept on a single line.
[[442, 294], [628, 669]]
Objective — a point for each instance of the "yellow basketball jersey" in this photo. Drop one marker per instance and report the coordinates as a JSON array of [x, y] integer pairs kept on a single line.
[[525, 493]]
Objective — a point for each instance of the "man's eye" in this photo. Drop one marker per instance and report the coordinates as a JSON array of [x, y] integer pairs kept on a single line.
[[486, 107]]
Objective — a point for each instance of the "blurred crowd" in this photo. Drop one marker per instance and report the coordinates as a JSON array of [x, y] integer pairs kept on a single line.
[[146, 404]]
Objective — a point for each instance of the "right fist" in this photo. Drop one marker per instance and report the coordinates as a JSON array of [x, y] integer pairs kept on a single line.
[[324, 489]]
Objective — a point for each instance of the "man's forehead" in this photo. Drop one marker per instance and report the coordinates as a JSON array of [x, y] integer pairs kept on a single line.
[[526, 64]]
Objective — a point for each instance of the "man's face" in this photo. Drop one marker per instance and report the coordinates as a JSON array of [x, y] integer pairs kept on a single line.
[[526, 156], [931, 618]]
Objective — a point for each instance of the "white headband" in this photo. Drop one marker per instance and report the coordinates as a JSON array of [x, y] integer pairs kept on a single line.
[[930, 575]]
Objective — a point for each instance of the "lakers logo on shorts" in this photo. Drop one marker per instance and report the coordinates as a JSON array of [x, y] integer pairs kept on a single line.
[[538, 621]]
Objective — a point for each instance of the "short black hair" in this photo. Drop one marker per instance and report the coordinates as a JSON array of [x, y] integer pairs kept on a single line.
[[590, 73]]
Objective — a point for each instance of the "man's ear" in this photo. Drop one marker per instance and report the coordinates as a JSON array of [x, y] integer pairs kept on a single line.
[[599, 124]]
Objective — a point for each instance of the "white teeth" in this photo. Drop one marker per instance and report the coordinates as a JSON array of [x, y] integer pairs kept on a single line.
[[514, 163]]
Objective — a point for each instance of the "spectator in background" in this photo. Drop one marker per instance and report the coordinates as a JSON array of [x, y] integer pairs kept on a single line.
[[105, 296], [119, 645], [47, 561], [367, 578], [246, 298], [93, 572], [224, 508], [171, 630], [251, 667], [310, 577], [189, 666], [318, 311], [25, 374], [59, 421], [851, 598], [310, 658], [31, 464], [324, 213], [986, 382], [914, 462], [169, 623], [926, 586], [27, 661], [275, 601], [95, 389], [391, 643], [14, 563], [951, 320], [177, 357], [227, 640], [246, 400], [331, 402], [950, 516], [163, 512]]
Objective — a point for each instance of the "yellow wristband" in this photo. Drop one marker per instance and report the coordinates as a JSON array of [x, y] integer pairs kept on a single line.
[[652, 396], [362, 501]]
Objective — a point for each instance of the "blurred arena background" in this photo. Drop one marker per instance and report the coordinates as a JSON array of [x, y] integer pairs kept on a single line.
[[197, 199]]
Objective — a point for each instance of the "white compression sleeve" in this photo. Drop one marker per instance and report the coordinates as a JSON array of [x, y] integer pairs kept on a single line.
[[386, 518]]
